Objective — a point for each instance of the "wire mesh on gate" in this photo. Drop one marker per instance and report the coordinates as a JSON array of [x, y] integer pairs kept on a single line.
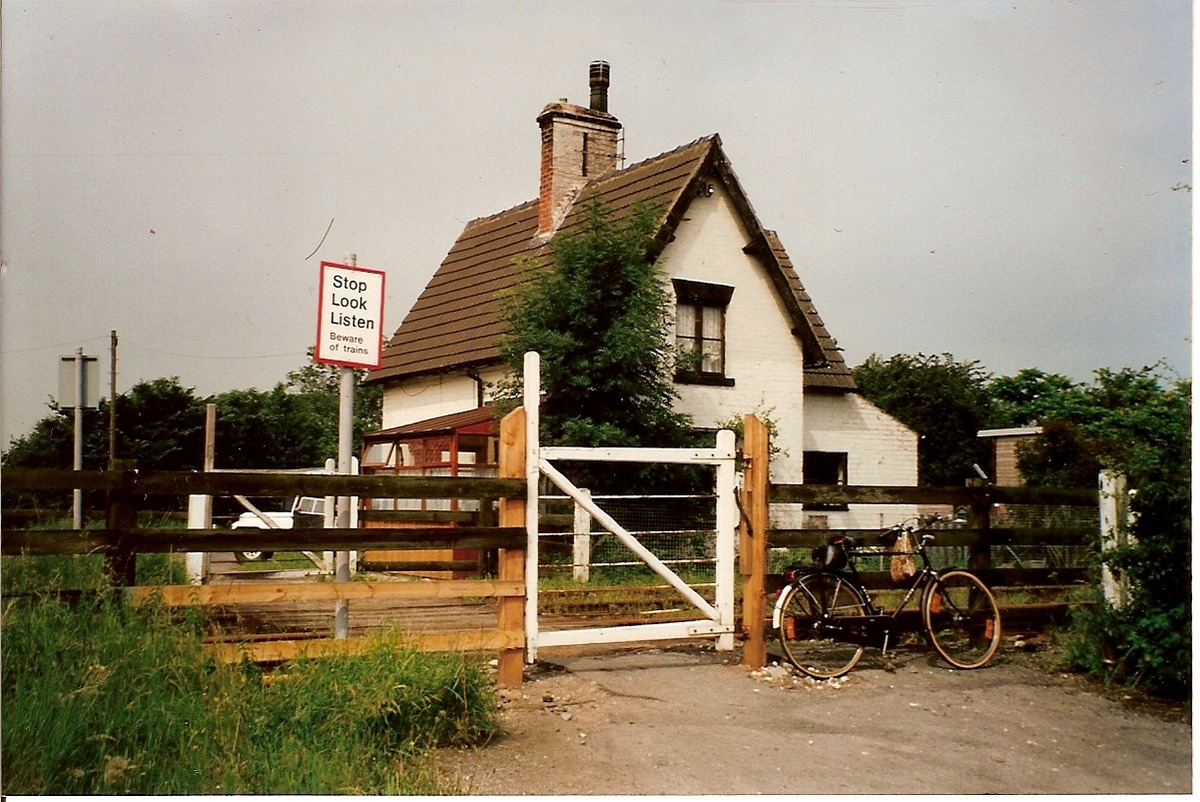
[[678, 529]]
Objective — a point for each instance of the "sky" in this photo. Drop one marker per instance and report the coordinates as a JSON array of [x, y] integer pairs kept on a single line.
[[1007, 182]]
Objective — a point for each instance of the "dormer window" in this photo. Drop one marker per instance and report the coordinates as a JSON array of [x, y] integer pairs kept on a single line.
[[700, 332]]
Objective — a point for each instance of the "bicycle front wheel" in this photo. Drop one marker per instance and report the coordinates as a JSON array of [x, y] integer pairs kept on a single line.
[[961, 619], [807, 628]]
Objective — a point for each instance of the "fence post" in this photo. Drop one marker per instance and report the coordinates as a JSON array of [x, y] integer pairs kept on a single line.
[[511, 562], [1114, 531], [755, 483], [200, 506], [980, 519], [582, 560], [121, 565]]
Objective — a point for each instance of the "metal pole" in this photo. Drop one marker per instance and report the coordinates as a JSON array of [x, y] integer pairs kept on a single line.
[[341, 571], [77, 507]]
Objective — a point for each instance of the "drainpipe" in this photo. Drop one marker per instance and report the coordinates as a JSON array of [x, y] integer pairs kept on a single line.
[[473, 376]]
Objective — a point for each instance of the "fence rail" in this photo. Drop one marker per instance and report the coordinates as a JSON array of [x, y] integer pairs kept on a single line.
[[977, 539], [120, 540]]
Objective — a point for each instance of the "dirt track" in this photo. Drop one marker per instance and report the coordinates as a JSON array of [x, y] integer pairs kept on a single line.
[[689, 720]]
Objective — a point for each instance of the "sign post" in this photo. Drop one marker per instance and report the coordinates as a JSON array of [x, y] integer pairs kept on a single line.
[[78, 387], [350, 335]]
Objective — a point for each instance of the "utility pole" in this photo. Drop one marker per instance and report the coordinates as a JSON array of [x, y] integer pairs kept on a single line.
[[112, 401], [77, 506]]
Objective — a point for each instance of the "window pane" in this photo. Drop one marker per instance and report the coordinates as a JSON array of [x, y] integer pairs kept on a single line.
[[713, 323], [685, 322], [825, 467]]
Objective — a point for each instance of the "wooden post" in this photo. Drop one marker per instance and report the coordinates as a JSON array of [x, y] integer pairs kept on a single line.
[[511, 562], [121, 566], [583, 543], [980, 517], [755, 485]]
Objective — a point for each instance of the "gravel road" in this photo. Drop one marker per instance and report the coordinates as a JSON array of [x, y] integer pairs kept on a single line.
[[686, 719]]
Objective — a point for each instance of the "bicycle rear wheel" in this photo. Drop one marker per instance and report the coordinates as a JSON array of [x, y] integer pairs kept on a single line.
[[961, 619], [809, 608]]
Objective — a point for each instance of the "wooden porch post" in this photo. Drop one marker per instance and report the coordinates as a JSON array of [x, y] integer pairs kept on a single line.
[[511, 562], [755, 484]]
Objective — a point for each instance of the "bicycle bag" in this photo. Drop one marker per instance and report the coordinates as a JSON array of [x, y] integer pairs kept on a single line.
[[832, 556]]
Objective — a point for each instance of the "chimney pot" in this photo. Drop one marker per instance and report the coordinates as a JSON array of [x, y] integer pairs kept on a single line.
[[598, 80]]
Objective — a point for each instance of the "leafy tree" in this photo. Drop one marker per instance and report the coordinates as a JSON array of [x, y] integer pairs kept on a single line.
[[160, 424], [275, 428], [1137, 421], [1033, 396], [599, 315], [944, 401], [319, 379]]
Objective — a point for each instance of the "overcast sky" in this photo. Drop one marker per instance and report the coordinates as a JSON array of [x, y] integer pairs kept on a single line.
[[1003, 181]]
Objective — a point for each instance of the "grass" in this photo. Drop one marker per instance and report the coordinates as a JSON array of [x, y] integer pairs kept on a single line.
[[99, 698]]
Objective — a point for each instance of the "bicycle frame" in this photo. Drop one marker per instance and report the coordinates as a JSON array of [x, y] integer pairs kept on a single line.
[[877, 626]]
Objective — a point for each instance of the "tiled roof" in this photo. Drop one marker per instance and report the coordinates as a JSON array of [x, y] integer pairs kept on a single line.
[[455, 322]]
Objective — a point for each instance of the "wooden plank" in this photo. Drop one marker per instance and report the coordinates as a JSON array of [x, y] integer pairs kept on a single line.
[[152, 540], [17, 479], [284, 650], [870, 494], [1006, 536], [265, 592], [250, 483]]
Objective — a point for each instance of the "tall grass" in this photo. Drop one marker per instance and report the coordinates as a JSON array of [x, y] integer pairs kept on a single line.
[[100, 698]]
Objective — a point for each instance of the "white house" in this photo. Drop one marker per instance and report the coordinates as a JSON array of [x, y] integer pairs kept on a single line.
[[739, 304]]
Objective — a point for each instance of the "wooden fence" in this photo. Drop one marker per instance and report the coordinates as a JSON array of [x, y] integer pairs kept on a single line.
[[978, 538], [122, 539]]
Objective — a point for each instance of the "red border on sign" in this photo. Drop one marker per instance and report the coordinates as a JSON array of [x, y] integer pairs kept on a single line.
[[321, 313]]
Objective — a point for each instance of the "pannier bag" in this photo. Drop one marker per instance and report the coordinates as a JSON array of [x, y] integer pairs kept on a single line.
[[904, 564]]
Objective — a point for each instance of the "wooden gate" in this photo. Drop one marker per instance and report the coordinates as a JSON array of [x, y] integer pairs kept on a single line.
[[713, 619]]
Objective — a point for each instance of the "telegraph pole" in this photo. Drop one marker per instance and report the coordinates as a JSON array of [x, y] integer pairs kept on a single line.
[[112, 401]]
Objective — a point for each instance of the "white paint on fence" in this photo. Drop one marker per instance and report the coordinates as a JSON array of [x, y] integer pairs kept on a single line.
[[1114, 531]]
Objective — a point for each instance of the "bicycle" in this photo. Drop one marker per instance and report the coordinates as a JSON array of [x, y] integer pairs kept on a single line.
[[825, 618]]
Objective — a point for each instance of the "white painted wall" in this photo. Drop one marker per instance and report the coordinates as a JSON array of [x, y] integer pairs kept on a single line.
[[880, 451], [763, 357], [428, 397]]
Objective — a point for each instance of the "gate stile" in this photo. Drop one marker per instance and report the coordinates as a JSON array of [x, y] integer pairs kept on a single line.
[[718, 618]]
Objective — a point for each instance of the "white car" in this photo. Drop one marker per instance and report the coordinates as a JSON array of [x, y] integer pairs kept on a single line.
[[307, 512]]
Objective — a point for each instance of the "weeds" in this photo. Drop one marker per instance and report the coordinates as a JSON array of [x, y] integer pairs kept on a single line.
[[100, 698]]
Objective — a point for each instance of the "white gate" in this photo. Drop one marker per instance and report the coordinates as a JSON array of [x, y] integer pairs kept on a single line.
[[713, 620]]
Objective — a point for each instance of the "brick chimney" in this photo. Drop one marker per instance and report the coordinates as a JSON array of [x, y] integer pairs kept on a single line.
[[578, 144]]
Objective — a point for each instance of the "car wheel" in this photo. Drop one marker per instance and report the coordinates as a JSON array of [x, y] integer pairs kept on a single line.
[[253, 556]]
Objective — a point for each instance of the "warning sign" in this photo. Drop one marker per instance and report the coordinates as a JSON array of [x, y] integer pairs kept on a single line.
[[350, 316]]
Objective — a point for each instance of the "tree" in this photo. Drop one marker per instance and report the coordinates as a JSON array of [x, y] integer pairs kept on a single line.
[[599, 314], [944, 401], [317, 378], [1032, 396], [1137, 421], [160, 424]]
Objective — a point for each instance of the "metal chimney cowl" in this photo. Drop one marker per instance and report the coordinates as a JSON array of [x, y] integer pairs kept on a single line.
[[598, 80]]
